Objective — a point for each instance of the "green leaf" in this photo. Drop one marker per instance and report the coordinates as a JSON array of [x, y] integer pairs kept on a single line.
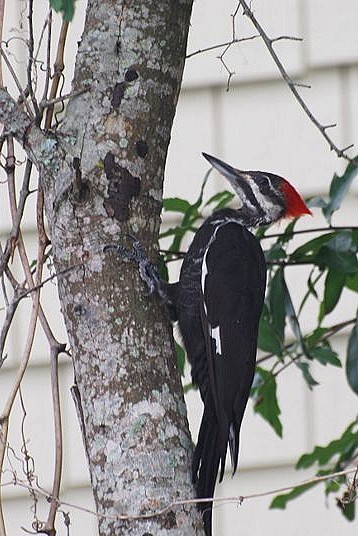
[[311, 284], [189, 387], [325, 355], [314, 338], [276, 299], [220, 200], [352, 282], [333, 287], [332, 486], [276, 252], [162, 267], [292, 318], [191, 215], [265, 398], [261, 231], [280, 501], [56, 4], [308, 251], [341, 446], [176, 204], [269, 340], [347, 509], [305, 369], [339, 188], [338, 254], [180, 358], [67, 7], [317, 201], [288, 233], [352, 359]]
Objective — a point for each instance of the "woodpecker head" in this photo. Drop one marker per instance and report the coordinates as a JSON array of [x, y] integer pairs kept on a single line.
[[265, 197]]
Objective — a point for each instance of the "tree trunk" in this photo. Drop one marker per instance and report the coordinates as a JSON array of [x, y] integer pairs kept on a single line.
[[102, 174]]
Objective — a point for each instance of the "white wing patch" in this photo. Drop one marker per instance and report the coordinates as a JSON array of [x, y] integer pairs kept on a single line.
[[215, 334], [204, 273]]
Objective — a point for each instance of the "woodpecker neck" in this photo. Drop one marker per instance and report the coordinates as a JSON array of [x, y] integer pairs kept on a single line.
[[246, 216]]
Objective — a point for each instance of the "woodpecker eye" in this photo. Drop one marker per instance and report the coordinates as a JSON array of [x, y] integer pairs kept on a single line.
[[263, 182]]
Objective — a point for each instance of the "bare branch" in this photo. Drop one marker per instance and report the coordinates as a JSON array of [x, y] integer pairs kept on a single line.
[[48, 56], [30, 62], [221, 45], [16, 80], [234, 40], [75, 93], [341, 153], [55, 349], [14, 233], [58, 70], [185, 502], [50, 523], [28, 462]]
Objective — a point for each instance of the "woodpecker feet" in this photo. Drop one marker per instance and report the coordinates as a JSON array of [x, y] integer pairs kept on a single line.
[[147, 271]]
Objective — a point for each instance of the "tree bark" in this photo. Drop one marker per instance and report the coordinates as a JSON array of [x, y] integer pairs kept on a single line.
[[102, 174]]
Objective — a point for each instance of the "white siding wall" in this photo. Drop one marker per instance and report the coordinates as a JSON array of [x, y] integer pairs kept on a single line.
[[256, 124]]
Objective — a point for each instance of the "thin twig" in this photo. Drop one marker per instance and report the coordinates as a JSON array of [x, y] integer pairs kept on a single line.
[[341, 153], [51, 102], [48, 57], [14, 233], [221, 45], [28, 462], [50, 523], [185, 502], [30, 62], [55, 349], [17, 82], [58, 69]]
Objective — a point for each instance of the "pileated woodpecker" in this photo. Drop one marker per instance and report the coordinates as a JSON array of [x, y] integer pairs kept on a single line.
[[217, 303], [218, 300]]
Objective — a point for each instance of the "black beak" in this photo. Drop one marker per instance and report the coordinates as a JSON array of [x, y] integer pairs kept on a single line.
[[235, 176]]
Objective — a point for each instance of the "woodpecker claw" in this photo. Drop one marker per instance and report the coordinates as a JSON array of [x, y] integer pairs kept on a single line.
[[147, 271], [122, 250]]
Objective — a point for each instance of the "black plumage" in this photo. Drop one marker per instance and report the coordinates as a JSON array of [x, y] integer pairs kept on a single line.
[[219, 301]]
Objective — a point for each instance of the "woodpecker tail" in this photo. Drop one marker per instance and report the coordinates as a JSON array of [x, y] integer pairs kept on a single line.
[[209, 454]]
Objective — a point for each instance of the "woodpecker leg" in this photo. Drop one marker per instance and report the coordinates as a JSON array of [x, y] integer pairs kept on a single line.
[[149, 275], [147, 271]]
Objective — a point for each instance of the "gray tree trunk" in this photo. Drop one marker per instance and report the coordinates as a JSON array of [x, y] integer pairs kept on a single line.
[[102, 173]]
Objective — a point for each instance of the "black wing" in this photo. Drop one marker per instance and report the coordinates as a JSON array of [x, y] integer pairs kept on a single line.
[[233, 286]]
